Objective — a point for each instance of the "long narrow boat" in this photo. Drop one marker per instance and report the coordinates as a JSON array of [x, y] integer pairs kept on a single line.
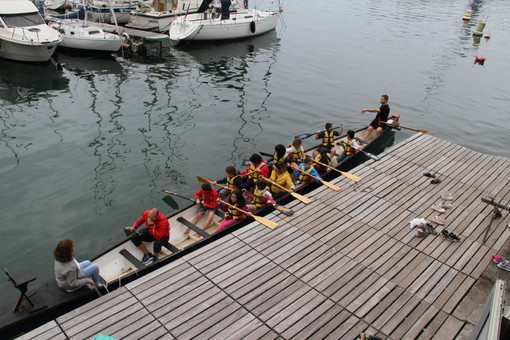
[[120, 264]]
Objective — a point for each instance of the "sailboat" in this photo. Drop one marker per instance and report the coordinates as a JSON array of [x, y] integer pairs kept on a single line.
[[79, 34], [212, 23]]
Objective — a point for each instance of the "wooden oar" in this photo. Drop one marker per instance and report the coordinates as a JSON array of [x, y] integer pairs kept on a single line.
[[326, 183], [264, 221], [346, 174], [307, 135], [278, 207], [405, 127], [302, 198]]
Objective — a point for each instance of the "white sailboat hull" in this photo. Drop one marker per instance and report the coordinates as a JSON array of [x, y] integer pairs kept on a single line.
[[15, 50], [79, 35], [242, 24]]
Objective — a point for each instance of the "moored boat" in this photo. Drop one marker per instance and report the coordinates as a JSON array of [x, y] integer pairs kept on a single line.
[[24, 36], [121, 264], [79, 34], [214, 24], [160, 16]]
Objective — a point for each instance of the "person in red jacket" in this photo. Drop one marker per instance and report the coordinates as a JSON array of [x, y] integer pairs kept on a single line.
[[207, 200], [256, 169], [158, 231]]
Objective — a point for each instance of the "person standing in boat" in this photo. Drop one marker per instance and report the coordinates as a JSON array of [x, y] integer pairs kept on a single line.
[[71, 274], [328, 136], [383, 113], [232, 215], [158, 231], [257, 168], [350, 147], [280, 176], [233, 181], [206, 199]]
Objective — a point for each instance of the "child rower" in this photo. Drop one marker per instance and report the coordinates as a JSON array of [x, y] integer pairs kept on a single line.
[[306, 170], [232, 215], [207, 200], [261, 196], [328, 136], [233, 180], [321, 159], [350, 147], [280, 176], [256, 169]]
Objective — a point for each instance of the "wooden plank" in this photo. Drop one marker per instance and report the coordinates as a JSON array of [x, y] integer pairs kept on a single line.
[[450, 328], [411, 320], [49, 330]]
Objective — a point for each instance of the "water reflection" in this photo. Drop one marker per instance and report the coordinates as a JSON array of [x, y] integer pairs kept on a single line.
[[230, 68], [19, 85]]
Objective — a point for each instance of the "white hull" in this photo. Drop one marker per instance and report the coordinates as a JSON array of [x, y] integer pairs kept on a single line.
[[78, 35], [24, 36], [201, 27], [14, 50], [160, 18]]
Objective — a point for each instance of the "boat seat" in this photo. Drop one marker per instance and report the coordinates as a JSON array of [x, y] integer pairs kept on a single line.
[[193, 227], [21, 282], [132, 259], [171, 247]]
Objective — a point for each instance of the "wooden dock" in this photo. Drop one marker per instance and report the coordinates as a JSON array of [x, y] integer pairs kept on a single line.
[[344, 264]]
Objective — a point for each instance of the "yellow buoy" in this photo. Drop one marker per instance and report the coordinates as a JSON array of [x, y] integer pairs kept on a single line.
[[467, 16], [479, 29]]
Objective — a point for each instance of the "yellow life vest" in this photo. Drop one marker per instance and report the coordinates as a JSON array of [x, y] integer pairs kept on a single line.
[[328, 138], [254, 175], [259, 202], [234, 213], [348, 149], [279, 160], [303, 177], [230, 183], [296, 153]]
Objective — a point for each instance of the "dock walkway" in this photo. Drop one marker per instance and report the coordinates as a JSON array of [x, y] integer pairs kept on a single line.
[[346, 263]]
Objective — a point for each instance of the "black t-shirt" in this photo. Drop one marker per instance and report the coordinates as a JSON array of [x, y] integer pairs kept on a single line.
[[384, 114]]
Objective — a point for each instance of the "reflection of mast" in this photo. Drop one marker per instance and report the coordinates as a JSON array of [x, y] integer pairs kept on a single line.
[[4, 137]]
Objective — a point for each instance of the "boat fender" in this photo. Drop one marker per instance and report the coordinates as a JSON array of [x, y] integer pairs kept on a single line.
[[252, 27], [125, 36]]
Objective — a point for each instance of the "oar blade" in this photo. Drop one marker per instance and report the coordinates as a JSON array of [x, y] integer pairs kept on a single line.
[[265, 221], [351, 176], [302, 198], [203, 180], [331, 185], [283, 210], [424, 131], [170, 202]]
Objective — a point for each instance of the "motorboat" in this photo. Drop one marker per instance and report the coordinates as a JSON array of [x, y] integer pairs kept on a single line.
[[100, 11], [161, 14], [79, 34], [215, 24], [24, 36]]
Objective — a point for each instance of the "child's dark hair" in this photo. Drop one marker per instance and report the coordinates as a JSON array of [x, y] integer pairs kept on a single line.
[[231, 170], [350, 133], [256, 158], [206, 187], [328, 126], [260, 183]]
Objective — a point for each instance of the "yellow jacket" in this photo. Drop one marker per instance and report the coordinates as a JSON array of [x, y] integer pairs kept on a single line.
[[284, 180]]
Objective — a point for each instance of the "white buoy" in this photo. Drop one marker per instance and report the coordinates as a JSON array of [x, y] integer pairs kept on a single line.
[[479, 29], [467, 16]]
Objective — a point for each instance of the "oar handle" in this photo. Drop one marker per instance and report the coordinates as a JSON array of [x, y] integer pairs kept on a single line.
[[304, 172], [233, 206], [205, 180], [278, 185]]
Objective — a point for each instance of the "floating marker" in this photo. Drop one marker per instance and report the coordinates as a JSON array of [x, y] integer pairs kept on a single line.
[[479, 29], [467, 16], [479, 60], [487, 36]]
